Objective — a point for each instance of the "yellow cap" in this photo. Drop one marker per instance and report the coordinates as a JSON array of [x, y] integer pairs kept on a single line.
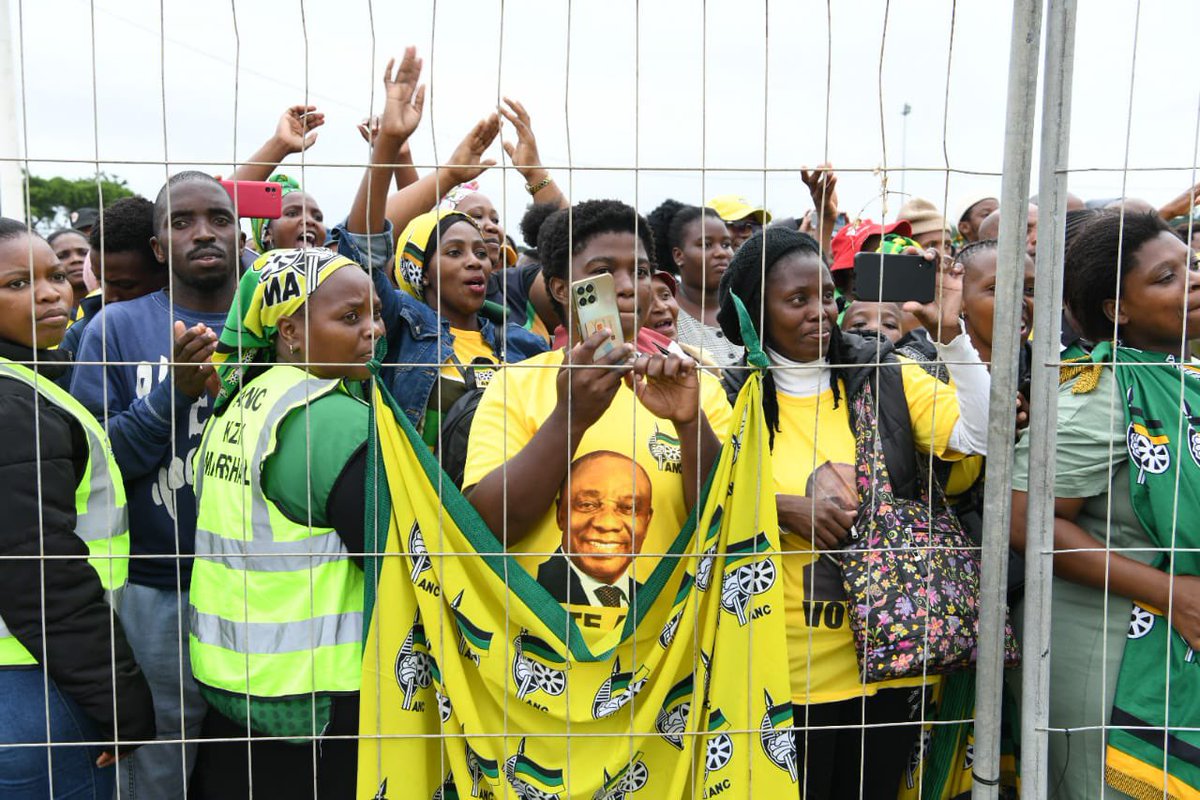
[[731, 208]]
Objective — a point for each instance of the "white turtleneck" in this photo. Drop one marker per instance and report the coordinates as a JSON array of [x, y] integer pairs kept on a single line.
[[971, 382]]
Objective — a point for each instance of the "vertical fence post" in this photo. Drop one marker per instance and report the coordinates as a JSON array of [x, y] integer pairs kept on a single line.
[[12, 189], [1039, 532], [1024, 50]]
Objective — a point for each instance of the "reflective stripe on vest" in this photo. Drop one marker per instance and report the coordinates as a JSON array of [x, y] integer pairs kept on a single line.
[[275, 608], [100, 513]]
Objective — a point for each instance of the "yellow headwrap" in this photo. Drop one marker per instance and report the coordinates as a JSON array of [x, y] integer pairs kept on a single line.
[[277, 286], [414, 244]]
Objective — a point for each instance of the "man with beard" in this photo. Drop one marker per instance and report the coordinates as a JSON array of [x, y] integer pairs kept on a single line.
[[142, 370]]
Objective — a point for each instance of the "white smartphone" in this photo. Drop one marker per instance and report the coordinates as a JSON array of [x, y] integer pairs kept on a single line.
[[595, 302]]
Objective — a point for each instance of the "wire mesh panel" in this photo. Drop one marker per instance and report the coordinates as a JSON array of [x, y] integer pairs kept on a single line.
[[640, 399]]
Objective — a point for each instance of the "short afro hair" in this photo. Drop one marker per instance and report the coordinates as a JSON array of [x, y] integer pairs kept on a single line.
[[1097, 261], [126, 227], [567, 231], [531, 223], [187, 176]]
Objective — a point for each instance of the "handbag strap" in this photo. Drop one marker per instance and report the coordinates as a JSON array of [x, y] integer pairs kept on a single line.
[[870, 464]]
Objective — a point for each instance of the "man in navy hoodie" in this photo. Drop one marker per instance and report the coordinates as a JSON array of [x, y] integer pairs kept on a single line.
[[147, 383]]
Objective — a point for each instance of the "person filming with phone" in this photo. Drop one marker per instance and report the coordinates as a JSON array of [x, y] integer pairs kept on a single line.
[[624, 391]]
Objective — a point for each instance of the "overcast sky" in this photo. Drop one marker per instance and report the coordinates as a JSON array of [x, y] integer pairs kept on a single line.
[[647, 100]]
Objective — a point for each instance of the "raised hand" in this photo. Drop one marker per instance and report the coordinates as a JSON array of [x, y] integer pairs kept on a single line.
[[524, 153], [296, 130], [467, 162], [405, 100], [940, 318], [822, 188], [368, 129]]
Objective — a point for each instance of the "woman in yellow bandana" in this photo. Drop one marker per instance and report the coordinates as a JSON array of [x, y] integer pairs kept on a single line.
[[442, 331], [276, 603]]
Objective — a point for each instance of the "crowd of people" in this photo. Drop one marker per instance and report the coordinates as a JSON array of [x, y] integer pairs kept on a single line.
[[184, 586]]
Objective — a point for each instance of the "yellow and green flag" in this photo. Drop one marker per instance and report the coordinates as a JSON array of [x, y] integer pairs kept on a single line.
[[476, 683]]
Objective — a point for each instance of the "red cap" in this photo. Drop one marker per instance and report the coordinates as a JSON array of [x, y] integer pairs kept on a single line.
[[850, 239], [668, 279]]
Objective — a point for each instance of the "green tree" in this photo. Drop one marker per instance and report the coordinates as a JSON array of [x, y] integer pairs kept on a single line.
[[52, 199]]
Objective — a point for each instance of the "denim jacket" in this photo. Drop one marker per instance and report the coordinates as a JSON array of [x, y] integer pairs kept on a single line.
[[417, 336]]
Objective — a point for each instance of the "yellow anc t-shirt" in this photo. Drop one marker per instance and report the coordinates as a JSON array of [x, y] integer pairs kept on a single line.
[[473, 352], [522, 396], [814, 456]]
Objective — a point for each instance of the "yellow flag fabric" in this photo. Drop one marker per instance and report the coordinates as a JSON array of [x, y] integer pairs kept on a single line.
[[476, 683]]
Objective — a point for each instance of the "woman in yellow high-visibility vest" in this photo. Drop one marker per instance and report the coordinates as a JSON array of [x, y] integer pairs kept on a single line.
[[67, 674], [276, 604]]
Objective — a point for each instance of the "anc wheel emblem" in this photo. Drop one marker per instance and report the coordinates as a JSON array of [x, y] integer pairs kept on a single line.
[[1140, 622], [1149, 457], [717, 752]]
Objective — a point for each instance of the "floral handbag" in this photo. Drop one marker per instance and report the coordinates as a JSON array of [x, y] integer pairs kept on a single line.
[[910, 573]]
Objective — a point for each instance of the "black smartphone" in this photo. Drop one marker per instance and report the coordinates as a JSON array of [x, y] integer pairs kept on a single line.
[[894, 278]]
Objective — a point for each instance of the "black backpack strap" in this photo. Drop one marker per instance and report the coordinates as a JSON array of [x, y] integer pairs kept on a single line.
[[468, 374]]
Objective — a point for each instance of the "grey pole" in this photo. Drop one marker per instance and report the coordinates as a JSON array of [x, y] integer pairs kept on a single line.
[[1024, 50], [1043, 429], [904, 112]]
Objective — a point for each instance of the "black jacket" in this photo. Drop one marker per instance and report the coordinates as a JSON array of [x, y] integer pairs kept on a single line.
[[85, 655], [856, 370]]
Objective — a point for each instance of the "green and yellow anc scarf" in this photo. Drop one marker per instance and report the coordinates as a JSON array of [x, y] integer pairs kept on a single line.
[[1151, 752], [477, 683], [277, 286]]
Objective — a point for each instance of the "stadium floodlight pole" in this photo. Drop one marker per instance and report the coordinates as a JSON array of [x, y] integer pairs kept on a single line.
[[12, 189], [1024, 50], [1043, 400]]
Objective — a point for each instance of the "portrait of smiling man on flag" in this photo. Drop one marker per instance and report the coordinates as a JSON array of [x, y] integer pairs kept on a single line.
[[604, 510]]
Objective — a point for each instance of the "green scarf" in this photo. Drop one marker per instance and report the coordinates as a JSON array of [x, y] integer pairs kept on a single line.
[[1158, 687]]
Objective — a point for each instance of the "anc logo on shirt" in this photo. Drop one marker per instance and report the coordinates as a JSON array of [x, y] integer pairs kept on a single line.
[[775, 735], [631, 778], [671, 721], [530, 780], [1147, 442], [1193, 434], [617, 690], [666, 451], [537, 667], [747, 579], [414, 664]]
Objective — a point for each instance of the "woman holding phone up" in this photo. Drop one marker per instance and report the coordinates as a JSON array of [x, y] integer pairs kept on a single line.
[[537, 421]]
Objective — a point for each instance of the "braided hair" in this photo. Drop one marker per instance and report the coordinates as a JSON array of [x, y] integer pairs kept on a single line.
[[968, 253], [660, 222], [745, 277]]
